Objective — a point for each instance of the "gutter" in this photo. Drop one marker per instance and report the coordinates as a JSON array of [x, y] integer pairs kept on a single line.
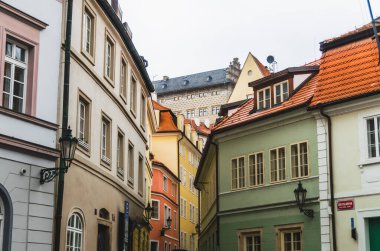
[[332, 198]]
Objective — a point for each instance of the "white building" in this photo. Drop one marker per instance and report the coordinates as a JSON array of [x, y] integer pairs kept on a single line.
[[29, 72]]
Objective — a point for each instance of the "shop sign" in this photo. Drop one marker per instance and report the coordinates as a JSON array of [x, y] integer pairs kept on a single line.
[[345, 205]]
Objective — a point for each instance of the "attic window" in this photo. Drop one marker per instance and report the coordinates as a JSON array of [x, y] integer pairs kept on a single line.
[[263, 98], [209, 78], [281, 92], [250, 73], [185, 82]]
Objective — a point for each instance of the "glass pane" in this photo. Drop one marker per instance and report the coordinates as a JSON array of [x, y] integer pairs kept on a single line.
[[19, 74], [249, 243], [303, 159], [234, 173], [7, 85], [371, 138], [281, 163], [260, 169], [378, 136], [241, 173], [294, 155], [17, 104], [8, 49], [273, 165], [20, 54], [18, 89], [8, 70]]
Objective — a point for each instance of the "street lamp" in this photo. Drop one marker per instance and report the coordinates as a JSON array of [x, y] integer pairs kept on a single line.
[[168, 226], [300, 194], [68, 146], [148, 212]]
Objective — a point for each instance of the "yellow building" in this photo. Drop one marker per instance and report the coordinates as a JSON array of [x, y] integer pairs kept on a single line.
[[177, 144]]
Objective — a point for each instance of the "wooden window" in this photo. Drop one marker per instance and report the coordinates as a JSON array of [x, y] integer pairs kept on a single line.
[[106, 141], [373, 137], [123, 78], [250, 241], [174, 188], [202, 112], [174, 220], [133, 97], [88, 32], [120, 154], [156, 209], [277, 164], [290, 239], [263, 98], [256, 169], [131, 164], [74, 233], [299, 159], [143, 110], [109, 59], [238, 173], [83, 123], [141, 175], [15, 76], [281, 92]]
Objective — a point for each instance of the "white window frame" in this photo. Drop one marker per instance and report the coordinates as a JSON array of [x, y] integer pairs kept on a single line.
[[238, 178], [265, 101], [298, 144], [292, 232], [282, 93], [120, 157], [158, 209], [88, 31], [109, 60], [277, 165], [75, 231], [105, 140], [215, 110], [256, 169], [158, 244], [376, 119], [13, 62], [165, 184], [243, 234], [133, 92]]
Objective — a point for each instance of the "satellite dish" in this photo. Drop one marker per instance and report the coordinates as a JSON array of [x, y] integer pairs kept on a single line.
[[270, 59]]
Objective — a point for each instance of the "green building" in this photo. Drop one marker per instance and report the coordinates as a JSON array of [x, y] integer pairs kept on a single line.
[[254, 161]]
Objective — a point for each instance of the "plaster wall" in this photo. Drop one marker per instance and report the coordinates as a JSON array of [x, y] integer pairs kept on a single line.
[[165, 150]]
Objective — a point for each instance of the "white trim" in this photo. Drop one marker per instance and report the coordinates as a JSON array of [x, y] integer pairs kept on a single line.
[[150, 244], [363, 137], [363, 215], [158, 210]]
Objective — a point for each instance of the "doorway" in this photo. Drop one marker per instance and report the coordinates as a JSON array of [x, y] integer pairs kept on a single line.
[[103, 238], [374, 233]]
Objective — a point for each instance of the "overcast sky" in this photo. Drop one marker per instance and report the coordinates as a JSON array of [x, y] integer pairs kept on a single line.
[[180, 37]]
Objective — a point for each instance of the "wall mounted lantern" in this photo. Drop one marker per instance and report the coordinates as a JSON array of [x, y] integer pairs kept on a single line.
[[148, 212], [300, 194], [167, 227], [68, 146]]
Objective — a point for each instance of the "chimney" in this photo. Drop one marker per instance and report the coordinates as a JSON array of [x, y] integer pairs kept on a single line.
[[233, 70], [165, 78], [116, 7], [128, 29]]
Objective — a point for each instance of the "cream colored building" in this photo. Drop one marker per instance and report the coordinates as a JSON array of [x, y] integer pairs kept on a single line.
[[105, 187]]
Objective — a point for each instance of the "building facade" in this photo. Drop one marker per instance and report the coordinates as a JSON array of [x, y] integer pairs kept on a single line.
[[198, 96], [258, 157], [105, 187], [164, 236], [29, 72]]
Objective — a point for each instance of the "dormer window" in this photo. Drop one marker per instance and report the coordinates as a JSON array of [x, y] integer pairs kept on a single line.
[[281, 92], [263, 98]]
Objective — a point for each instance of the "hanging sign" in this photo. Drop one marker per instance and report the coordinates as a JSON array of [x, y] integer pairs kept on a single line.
[[345, 205]]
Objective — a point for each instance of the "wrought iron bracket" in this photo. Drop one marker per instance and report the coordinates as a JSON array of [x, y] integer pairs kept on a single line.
[[48, 174], [308, 212]]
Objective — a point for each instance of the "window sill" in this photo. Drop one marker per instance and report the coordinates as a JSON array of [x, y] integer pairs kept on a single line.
[[110, 81], [84, 150], [106, 162], [133, 113], [369, 162], [89, 57]]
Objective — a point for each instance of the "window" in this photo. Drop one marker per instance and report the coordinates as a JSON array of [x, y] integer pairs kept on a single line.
[[133, 95], [191, 243], [202, 112], [88, 32], [15, 71], [192, 212], [190, 114], [174, 188], [192, 96], [373, 137], [106, 141], [256, 169], [74, 233], [291, 240], [300, 166], [131, 163], [143, 110], [120, 154], [183, 238], [141, 175], [188, 96], [182, 212], [251, 241], [263, 98], [215, 110], [174, 220], [277, 164], [156, 209], [238, 174], [153, 245], [165, 184], [214, 93], [83, 123], [281, 92], [123, 78], [109, 59], [167, 214], [202, 94]]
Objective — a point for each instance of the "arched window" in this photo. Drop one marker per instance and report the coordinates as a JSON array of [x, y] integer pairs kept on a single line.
[[1, 221], [74, 240]]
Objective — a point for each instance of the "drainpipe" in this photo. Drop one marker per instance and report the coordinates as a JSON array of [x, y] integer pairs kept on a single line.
[[65, 116], [179, 191], [217, 193], [332, 198]]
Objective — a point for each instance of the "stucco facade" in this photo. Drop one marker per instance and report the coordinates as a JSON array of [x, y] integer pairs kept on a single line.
[[29, 72]]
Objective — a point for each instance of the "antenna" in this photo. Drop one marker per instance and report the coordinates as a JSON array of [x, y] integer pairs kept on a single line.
[[374, 22], [272, 64]]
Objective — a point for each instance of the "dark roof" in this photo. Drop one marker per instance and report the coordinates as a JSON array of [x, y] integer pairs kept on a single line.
[[107, 8], [193, 81]]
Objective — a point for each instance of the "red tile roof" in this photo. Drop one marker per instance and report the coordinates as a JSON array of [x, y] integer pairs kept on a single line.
[[348, 71], [201, 129], [244, 115], [262, 68], [166, 122], [158, 106]]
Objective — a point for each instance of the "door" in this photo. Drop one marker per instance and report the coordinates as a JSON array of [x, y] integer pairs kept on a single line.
[[374, 233], [103, 238]]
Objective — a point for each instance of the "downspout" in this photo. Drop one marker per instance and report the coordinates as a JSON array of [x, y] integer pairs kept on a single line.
[[199, 217], [217, 193], [179, 190], [332, 198], [65, 117]]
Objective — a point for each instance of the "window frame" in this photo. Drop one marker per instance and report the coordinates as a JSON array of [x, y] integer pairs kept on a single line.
[[238, 186], [165, 187], [89, 55], [123, 84], [140, 185], [249, 232], [249, 169], [215, 110], [83, 145], [376, 119], [203, 112], [298, 152], [143, 110], [265, 106], [2, 221], [282, 99], [277, 164], [109, 40], [131, 164], [281, 230], [158, 209], [106, 160], [76, 231], [133, 94], [120, 152]]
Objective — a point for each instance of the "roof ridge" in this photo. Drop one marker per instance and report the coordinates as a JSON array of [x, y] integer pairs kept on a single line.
[[184, 76]]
